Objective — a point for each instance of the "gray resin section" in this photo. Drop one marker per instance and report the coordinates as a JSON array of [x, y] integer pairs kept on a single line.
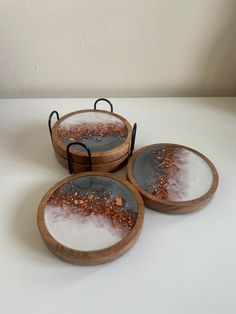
[[144, 169], [99, 185]]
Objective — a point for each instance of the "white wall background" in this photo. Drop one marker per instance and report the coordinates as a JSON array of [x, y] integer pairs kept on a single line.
[[73, 48]]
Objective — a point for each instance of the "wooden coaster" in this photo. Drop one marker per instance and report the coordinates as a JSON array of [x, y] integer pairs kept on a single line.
[[90, 218], [107, 135], [106, 167], [172, 178]]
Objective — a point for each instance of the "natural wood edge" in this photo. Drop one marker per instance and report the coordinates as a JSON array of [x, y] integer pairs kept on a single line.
[[90, 257], [107, 167], [174, 207]]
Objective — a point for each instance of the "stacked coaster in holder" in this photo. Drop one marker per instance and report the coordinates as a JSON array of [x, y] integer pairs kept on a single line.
[[108, 138]]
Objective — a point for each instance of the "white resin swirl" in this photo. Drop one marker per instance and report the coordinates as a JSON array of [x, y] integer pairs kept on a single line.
[[90, 117], [197, 177], [86, 235]]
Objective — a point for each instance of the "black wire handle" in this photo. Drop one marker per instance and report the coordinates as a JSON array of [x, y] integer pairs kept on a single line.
[[50, 121], [133, 137], [69, 155], [103, 99]]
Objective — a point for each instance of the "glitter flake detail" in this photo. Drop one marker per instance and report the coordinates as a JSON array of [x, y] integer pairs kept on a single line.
[[86, 130], [170, 173], [101, 209]]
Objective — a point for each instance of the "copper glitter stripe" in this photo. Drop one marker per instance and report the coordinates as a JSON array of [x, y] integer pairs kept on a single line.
[[86, 130], [81, 205], [170, 162]]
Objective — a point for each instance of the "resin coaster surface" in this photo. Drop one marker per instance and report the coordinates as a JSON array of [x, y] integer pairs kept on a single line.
[[106, 134], [173, 177], [90, 213], [100, 131]]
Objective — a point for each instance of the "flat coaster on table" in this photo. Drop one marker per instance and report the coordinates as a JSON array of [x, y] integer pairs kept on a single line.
[[172, 178], [90, 218]]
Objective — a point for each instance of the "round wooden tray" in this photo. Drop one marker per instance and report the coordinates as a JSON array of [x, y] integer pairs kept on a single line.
[[172, 178], [90, 218], [108, 135], [106, 167]]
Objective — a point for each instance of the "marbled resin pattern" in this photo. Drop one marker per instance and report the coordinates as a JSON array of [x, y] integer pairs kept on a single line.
[[172, 173], [98, 130], [90, 213]]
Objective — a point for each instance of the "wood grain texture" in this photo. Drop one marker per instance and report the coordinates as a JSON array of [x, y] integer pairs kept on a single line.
[[173, 207], [105, 167], [98, 256], [99, 157]]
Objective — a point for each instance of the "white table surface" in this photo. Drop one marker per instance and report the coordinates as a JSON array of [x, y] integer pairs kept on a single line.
[[180, 264]]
